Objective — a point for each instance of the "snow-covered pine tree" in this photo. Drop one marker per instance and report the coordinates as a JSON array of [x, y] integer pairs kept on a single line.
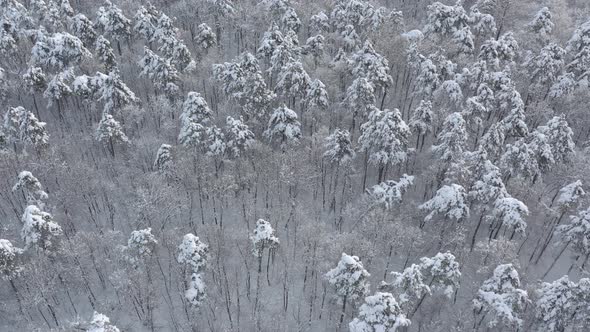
[[579, 47], [421, 121], [31, 188], [501, 51], [339, 147], [501, 299], [140, 245], [390, 192], [576, 234], [561, 304], [21, 125], [195, 115], [380, 312], [360, 97], [319, 22], [451, 140], [560, 138], [111, 20], [569, 195], [205, 37], [283, 126], [39, 230], [410, 285], [101, 323], [83, 28], [263, 237], [239, 137], [443, 271], [146, 20], [195, 294], [196, 108], [316, 96], [59, 50], [519, 159], [161, 71], [293, 80], [110, 132], [57, 89], [10, 256], [384, 137], [315, 46], [215, 143], [449, 201], [349, 280], [290, 20], [193, 253], [546, 66], [369, 64], [450, 21], [509, 212], [163, 160], [105, 53]]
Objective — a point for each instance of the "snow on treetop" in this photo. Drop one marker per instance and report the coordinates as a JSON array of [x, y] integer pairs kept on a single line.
[[193, 252], [380, 312], [500, 294], [263, 237], [390, 192], [39, 228], [101, 323], [413, 35], [570, 194], [449, 200], [142, 241], [349, 277]]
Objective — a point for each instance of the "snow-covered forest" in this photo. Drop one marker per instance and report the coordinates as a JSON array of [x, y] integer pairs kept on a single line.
[[295, 165]]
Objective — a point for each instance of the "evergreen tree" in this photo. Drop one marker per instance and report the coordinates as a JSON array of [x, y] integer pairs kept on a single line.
[[205, 36], [141, 245], [239, 136], [163, 160], [111, 20], [58, 50], [10, 256], [83, 28], [39, 230], [390, 192], [162, 73], [371, 65], [541, 24], [105, 53], [193, 253], [31, 188], [576, 234], [22, 126], [384, 138], [283, 126], [501, 297], [110, 132], [101, 323], [451, 139], [561, 304], [450, 201], [422, 120], [293, 80], [195, 294], [339, 147], [263, 237], [349, 280], [509, 212], [380, 312]]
